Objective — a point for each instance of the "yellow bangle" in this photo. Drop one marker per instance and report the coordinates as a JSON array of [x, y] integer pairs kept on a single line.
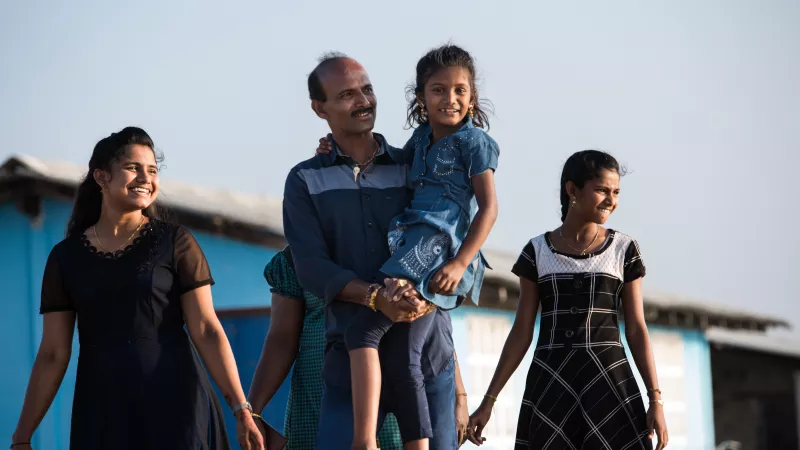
[[459, 394], [491, 397], [372, 294]]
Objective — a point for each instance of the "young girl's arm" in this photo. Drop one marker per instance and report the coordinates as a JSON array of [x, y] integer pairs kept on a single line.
[[517, 344], [639, 343], [447, 278]]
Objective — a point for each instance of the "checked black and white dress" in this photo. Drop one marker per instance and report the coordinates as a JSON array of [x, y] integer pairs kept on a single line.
[[580, 391]]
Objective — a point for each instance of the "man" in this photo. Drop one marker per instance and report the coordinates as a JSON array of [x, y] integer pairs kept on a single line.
[[337, 209]]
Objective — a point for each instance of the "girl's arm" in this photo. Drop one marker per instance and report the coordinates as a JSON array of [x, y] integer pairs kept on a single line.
[[517, 344], [447, 278], [279, 351], [486, 197], [519, 338], [48, 371], [215, 350], [637, 335], [642, 352]]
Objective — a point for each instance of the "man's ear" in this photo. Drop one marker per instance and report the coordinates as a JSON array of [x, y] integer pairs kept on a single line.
[[319, 109]]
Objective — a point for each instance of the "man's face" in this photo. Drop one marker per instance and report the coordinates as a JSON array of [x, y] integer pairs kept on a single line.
[[351, 103]]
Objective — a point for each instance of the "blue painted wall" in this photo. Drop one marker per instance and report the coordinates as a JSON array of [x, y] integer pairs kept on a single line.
[[237, 269]]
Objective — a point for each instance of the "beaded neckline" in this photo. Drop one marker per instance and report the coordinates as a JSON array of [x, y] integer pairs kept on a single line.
[[146, 229]]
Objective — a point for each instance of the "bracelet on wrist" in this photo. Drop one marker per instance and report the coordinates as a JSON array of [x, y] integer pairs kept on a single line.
[[372, 295]]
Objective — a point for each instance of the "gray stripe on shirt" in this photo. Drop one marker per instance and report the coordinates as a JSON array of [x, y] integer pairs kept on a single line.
[[340, 177]]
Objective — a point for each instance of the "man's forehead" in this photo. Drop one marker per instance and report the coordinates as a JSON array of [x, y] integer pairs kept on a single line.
[[344, 69]]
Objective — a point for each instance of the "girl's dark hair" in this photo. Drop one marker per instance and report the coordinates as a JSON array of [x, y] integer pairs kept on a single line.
[[445, 56], [581, 167], [89, 200]]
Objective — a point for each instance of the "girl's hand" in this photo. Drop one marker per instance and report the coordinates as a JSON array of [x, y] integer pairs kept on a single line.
[[446, 279], [657, 424], [477, 421], [325, 145], [248, 433]]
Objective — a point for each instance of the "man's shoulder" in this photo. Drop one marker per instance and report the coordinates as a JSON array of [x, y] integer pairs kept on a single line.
[[315, 162]]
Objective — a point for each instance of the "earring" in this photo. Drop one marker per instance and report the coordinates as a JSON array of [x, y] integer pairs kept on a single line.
[[574, 203], [421, 109], [471, 112]]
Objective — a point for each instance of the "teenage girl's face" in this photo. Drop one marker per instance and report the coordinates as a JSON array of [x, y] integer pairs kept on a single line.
[[599, 197], [132, 183], [448, 96]]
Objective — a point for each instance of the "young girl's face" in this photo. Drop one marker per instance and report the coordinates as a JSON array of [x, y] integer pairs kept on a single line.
[[448, 96], [599, 197]]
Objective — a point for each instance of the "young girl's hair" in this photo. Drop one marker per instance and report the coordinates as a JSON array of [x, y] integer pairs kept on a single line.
[[445, 56], [584, 166]]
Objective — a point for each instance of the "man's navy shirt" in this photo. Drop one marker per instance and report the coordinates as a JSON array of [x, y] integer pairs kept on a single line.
[[337, 229]]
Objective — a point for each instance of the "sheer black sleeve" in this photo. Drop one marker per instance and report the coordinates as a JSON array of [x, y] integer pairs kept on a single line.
[[191, 266], [54, 294]]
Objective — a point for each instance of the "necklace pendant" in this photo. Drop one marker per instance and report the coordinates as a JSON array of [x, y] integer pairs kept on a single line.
[[356, 171]]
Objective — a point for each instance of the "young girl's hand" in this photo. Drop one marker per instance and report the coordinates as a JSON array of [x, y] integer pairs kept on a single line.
[[477, 421], [657, 425], [325, 145], [446, 279]]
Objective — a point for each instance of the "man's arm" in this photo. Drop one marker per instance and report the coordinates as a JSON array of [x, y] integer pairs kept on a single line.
[[315, 270]]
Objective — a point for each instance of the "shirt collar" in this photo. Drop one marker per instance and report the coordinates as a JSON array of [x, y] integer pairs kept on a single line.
[[337, 156]]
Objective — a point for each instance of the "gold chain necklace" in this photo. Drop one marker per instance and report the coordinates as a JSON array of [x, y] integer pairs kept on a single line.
[[94, 228], [582, 252], [357, 169]]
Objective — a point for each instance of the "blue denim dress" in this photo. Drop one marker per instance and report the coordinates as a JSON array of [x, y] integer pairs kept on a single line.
[[430, 231]]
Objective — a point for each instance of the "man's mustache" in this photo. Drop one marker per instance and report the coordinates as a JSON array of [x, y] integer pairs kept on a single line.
[[362, 111]]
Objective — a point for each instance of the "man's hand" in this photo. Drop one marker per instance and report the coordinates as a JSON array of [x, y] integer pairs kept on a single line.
[[407, 306], [462, 418]]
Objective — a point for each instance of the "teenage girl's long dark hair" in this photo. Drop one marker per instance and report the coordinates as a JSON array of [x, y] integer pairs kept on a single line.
[[89, 199]]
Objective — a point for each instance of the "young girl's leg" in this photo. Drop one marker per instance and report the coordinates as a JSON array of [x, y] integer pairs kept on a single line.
[[361, 339], [401, 354]]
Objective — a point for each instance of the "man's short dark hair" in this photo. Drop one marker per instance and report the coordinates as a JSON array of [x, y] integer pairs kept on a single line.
[[315, 90]]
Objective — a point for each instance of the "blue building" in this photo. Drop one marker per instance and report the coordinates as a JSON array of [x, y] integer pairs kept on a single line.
[[239, 234]]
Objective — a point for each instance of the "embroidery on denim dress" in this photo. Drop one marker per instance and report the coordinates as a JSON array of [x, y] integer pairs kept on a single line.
[[420, 259], [396, 238], [445, 160]]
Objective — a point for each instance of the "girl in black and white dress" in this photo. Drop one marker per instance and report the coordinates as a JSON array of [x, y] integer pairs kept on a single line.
[[580, 391]]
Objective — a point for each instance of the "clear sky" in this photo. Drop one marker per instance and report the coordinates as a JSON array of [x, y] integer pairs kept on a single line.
[[700, 100]]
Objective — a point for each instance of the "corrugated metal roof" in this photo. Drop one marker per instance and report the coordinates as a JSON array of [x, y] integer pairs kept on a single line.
[[265, 212], [255, 210], [758, 342]]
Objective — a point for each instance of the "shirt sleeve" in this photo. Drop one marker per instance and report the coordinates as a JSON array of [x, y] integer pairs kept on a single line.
[[280, 275], [634, 265], [315, 270], [525, 267], [479, 152], [54, 294], [191, 267]]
